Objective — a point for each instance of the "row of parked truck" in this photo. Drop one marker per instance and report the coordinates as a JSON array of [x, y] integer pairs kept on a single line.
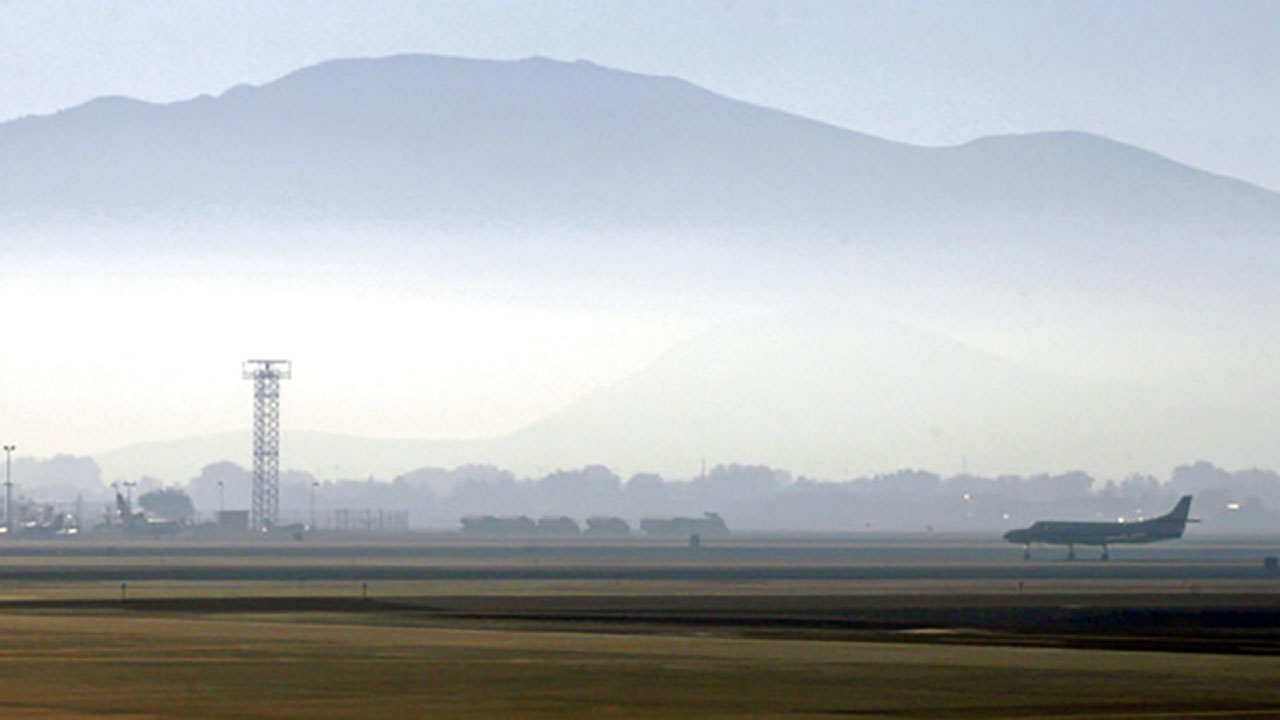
[[709, 525]]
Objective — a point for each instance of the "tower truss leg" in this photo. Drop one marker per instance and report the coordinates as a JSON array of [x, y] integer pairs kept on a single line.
[[266, 376]]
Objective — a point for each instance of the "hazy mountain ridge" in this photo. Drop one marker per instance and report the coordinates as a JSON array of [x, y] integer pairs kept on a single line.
[[825, 393], [419, 138], [325, 454], [831, 393]]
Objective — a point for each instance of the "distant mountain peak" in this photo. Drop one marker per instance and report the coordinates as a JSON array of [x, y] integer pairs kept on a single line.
[[407, 139]]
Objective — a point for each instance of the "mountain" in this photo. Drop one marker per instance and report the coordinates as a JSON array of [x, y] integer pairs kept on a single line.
[[447, 141], [827, 392], [833, 393], [538, 173], [326, 455], [371, 217]]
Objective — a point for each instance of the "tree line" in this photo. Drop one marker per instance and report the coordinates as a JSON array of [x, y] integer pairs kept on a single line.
[[749, 497]]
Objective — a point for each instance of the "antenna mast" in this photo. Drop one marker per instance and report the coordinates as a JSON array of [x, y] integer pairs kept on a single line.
[[266, 376]]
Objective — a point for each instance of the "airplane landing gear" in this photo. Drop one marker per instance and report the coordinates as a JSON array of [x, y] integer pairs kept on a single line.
[[1071, 552], [1026, 552], [1105, 555]]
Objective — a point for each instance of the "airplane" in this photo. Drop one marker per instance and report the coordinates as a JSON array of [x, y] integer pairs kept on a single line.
[[1056, 532], [56, 525]]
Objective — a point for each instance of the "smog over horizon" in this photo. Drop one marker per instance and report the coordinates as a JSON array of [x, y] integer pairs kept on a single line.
[[571, 250], [663, 359]]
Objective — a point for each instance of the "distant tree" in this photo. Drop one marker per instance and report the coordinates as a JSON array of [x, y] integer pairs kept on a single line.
[[1199, 476], [593, 489], [741, 481], [236, 487], [168, 503], [647, 494], [60, 478]]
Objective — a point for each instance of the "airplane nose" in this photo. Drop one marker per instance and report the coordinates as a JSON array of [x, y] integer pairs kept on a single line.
[[1014, 536]]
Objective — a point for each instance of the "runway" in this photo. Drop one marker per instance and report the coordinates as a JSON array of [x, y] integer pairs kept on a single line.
[[443, 557]]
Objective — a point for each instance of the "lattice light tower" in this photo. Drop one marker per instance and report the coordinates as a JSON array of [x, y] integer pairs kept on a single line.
[[266, 376]]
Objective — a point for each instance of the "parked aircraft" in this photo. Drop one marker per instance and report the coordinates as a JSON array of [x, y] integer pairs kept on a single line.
[[1070, 533], [55, 525]]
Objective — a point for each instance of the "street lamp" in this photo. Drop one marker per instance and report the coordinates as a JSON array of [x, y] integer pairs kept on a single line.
[[221, 502], [129, 485], [314, 484], [8, 487]]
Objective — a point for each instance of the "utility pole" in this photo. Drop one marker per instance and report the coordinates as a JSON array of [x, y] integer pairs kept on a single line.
[[8, 487], [314, 485], [266, 376]]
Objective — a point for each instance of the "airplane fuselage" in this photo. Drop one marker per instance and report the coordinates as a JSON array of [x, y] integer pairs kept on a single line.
[[1057, 532]]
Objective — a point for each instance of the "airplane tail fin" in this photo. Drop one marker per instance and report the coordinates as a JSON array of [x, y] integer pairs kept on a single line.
[[1180, 511]]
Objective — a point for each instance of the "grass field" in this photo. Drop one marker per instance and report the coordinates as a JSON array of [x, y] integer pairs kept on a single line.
[[631, 648], [108, 665]]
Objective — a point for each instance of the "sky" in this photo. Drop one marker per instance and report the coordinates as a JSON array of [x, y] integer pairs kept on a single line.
[[1192, 80]]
